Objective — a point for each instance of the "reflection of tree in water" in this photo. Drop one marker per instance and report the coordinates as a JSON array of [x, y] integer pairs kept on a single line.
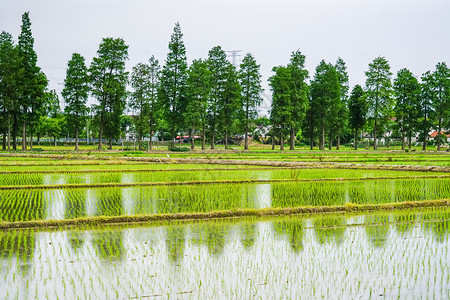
[[404, 222], [19, 244], [76, 239], [329, 229], [109, 244], [22, 205], [213, 235], [438, 222], [175, 243], [377, 229], [110, 202], [75, 204], [293, 229], [248, 235]]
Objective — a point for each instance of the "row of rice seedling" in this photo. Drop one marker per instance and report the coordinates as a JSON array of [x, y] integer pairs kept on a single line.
[[182, 175], [320, 257], [21, 205]]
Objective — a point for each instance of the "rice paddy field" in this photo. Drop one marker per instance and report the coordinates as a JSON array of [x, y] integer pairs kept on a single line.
[[302, 225]]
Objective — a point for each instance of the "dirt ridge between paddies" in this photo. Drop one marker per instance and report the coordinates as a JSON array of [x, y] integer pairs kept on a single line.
[[142, 170], [208, 182], [222, 214], [298, 164]]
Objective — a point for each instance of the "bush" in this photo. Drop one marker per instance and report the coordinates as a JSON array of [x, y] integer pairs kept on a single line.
[[179, 149]]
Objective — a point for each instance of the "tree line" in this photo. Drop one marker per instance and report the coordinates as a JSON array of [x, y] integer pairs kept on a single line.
[[213, 99]]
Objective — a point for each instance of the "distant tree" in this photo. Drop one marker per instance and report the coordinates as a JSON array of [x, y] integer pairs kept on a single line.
[[250, 80], [407, 105], [217, 66], [441, 78], [342, 117], [427, 99], [281, 109], [139, 100], [198, 91], [230, 104], [154, 106], [9, 88], [173, 83], [75, 94], [299, 94], [33, 82], [325, 99], [108, 85], [357, 107], [379, 94]]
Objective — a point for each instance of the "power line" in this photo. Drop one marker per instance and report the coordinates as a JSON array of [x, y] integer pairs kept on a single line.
[[233, 54]]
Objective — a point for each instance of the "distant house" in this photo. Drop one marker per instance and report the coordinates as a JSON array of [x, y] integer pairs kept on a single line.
[[435, 133]]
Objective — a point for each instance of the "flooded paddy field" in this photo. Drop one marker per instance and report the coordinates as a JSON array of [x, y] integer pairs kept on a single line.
[[402, 254], [19, 205]]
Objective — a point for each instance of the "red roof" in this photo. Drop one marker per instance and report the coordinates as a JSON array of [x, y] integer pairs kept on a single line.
[[434, 134]]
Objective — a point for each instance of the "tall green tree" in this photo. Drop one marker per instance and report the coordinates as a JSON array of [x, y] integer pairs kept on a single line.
[[357, 107], [442, 101], [33, 82], [217, 65], [230, 103], [407, 104], [325, 99], [427, 100], [379, 94], [173, 83], [139, 100], [9, 88], [250, 80], [108, 84], [281, 109], [75, 94], [198, 91], [339, 127], [299, 94], [154, 106]]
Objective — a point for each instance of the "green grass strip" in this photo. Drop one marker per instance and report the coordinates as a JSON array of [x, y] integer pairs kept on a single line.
[[204, 182], [238, 213]]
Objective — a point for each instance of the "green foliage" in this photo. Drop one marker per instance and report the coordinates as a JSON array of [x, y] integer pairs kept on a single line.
[[108, 85], [357, 107], [250, 80], [379, 94], [407, 105], [179, 149], [173, 83], [325, 99], [75, 94]]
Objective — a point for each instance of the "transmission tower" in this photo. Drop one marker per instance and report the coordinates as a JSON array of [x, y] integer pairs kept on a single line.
[[233, 54]]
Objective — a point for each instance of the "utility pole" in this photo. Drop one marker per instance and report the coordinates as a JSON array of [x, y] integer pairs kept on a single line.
[[233, 54]]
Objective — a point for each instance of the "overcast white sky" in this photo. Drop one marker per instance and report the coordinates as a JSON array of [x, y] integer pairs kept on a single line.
[[409, 33]]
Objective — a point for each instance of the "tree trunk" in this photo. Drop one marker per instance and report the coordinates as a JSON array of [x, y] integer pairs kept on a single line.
[[150, 142], [5, 129], [54, 140], [356, 139], [403, 141], [192, 138], [409, 141], [425, 135], [273, 140], [246, 135], [375, 136], [281, 141], [439, 135], [76, 138], [100, 137], [322, 137], [140, 140], [226, 139], [110, 143], [9, 133], [330, 145], [212, 137], [338, 143], [292, 138], [24, 136], [31, 138], [15, 129], [203, 136]]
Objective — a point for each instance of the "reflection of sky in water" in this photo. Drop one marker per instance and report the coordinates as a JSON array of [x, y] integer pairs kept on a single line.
[[283, 258]]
